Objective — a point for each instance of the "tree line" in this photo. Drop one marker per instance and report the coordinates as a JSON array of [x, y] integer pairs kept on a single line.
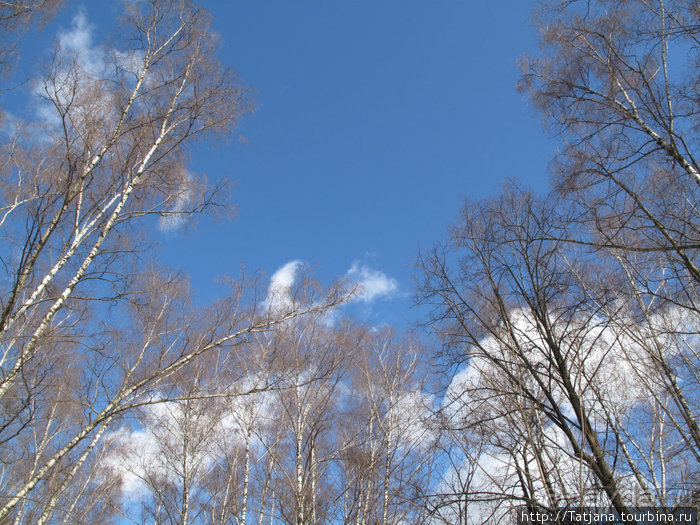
[[564, 363]]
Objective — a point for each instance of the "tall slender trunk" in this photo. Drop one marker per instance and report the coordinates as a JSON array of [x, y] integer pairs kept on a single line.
[[246, 475]]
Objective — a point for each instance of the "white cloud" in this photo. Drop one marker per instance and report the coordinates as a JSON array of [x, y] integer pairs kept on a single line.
[[175, 216], [9, 124], [371, 284], [78, 37], [152, 454], [368, 284], [411, 417], [76, 81], [133, 454], [77, 42], [609, 361], [285, 276], [279, 292], [130, 61]]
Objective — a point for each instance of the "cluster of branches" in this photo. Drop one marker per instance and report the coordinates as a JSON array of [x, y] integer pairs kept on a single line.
[[119, 399], [573, 318], [332, 429], [91, 328], [19, 15], [570, 321]]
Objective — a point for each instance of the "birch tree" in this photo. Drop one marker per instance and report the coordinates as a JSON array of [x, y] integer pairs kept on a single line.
[[310, 365], [619, 81], [90, 326], [17, 16], [550, 386], [387, 457], [576, 317]]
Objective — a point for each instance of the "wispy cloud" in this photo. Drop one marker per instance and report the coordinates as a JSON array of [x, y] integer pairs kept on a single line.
[[177, 205], [368, 283], [279, 292], [151, 454], [371, 284], [9, 124], [76, 80], [77, 42]]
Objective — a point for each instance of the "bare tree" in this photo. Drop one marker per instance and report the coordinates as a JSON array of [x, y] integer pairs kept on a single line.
[[387, 458], [619, 82], [310, 364], [90, 328], [546, 364], [568, 321], [17, 16]]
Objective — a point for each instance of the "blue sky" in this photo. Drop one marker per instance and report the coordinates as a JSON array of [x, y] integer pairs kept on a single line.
[[374, 121]]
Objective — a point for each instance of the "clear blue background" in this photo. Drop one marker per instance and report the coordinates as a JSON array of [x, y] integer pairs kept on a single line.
[[374, 121]]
